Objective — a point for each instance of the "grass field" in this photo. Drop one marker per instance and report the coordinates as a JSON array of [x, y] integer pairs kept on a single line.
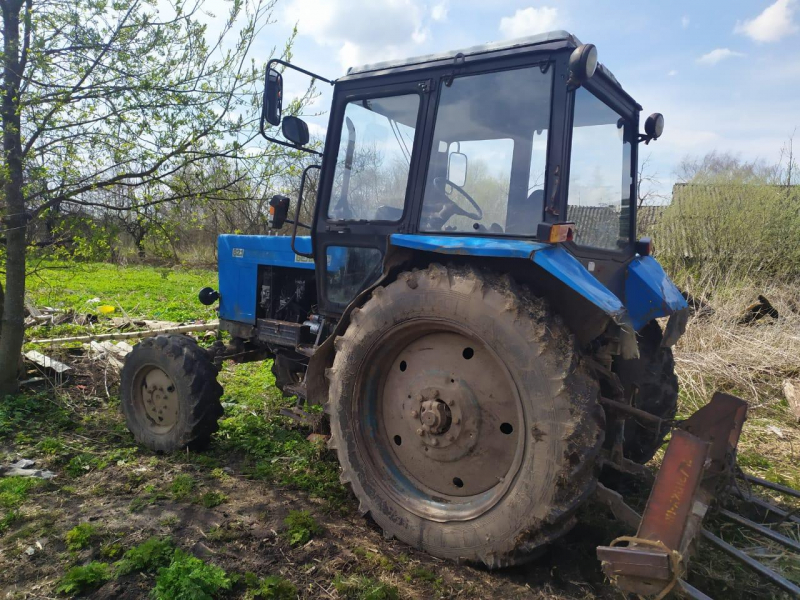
[[262, 514]]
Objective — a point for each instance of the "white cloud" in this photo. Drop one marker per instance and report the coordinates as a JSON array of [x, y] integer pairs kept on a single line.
[[772, 24], [439, 11], [672, 73], [361, 31], [685, 21], [717, 55], [529, 21]]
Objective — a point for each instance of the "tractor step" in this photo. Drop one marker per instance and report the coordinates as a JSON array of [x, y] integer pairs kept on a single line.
[[700, 460]]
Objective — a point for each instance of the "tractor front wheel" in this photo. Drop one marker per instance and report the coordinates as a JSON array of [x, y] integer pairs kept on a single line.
[[170, 394], [462, 417]]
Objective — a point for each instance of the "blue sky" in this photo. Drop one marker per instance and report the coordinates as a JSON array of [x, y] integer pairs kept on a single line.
[[726, 75]]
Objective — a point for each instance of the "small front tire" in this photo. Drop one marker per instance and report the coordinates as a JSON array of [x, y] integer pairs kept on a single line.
[[169, 393]]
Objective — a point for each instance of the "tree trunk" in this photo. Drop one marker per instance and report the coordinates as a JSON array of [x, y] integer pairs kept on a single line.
[[15, 222]]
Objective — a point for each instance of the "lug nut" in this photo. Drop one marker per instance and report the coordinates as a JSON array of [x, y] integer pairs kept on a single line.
[[434, 442], [420, 432], [414, 413]]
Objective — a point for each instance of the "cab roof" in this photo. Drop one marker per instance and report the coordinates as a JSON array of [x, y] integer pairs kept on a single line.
[[556, 40]]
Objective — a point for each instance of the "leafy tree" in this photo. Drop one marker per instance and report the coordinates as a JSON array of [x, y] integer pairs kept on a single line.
[[119, 96]]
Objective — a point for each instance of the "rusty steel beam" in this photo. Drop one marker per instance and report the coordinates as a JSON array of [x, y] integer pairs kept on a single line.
[[765, 531], [759, 568]]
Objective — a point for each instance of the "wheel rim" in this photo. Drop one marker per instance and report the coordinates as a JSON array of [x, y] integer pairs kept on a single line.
[[156, 399], [440, 420]]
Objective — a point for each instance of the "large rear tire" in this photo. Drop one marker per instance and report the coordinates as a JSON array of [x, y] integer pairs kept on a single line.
[[651, 381], [462, 417], [170, 394]]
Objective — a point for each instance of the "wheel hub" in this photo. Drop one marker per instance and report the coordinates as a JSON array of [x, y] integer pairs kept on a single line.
[[159, 398], [450, 415]]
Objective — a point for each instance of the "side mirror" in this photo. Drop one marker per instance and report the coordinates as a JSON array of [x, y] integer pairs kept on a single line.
[[582, 64], [457, 168], [273, 97], [278, 211], [654, 126], [295, 130]]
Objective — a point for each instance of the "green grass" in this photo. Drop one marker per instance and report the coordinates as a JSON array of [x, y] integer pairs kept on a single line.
[[84, 579], [156, 293], [300, 527], [81, 536], [359, 587], [182, 486], [213, 499], [189, 578], [13, 493]]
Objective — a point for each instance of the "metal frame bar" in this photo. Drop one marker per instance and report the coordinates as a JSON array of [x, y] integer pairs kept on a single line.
[[751, 562], [765, 531]]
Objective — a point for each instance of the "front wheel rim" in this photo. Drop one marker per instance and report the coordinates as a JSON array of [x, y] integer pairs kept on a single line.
[[155, 399], [439, 419]]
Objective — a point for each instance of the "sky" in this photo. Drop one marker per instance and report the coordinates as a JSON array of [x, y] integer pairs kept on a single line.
[[726, 75]]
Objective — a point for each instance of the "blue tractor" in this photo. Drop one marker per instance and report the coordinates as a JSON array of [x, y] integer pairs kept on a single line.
[[472, 306]]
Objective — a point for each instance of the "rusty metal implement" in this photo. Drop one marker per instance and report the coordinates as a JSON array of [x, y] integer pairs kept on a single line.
[[699, 465]]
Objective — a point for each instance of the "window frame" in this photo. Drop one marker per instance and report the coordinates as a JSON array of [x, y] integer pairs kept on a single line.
[[517, 63], [371, 94], [604, 90]]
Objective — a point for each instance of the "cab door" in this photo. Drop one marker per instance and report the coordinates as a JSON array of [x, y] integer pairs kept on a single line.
[[368, 181]]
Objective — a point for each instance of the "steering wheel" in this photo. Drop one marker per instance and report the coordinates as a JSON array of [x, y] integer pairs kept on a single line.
[[440, 184]]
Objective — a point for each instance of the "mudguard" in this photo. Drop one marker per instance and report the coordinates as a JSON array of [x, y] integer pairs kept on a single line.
[[649, 292], [552, 258]]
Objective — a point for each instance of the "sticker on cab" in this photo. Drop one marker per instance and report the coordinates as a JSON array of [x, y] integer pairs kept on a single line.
[[238, 252]]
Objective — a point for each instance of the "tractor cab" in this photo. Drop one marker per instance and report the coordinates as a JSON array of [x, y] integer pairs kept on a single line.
[[526, 141]]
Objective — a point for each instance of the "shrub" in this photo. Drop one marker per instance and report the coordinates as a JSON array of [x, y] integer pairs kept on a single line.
[[273, 587], [83, 579], [150, 555], [301, 527], [189, 578], [728, 228], [80, 536]]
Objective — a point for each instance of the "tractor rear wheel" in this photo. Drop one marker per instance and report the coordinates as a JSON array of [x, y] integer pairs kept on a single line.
[[651, 381], [170, 394], [462, 417]]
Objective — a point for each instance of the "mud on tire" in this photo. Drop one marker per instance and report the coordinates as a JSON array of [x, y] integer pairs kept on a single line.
[[560, 426], [170, 395], [653, 375]]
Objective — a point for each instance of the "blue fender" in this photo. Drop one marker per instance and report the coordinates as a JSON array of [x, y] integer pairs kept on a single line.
[[649, 292], [553, 259]]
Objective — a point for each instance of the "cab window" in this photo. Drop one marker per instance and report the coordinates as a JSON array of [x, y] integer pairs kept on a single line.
[[599, 198], [374, 159], [487, 164]]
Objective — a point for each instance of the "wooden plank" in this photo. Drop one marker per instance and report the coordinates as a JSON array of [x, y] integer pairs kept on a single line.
[[46, 362], [130, 334]]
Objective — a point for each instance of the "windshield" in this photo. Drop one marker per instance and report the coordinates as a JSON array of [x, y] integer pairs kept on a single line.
[[600, 181], [374, 159], [494, 126]]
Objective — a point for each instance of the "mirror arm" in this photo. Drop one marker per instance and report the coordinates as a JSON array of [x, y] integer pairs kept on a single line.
[[278, 61], [282, 143], [643, 137]]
